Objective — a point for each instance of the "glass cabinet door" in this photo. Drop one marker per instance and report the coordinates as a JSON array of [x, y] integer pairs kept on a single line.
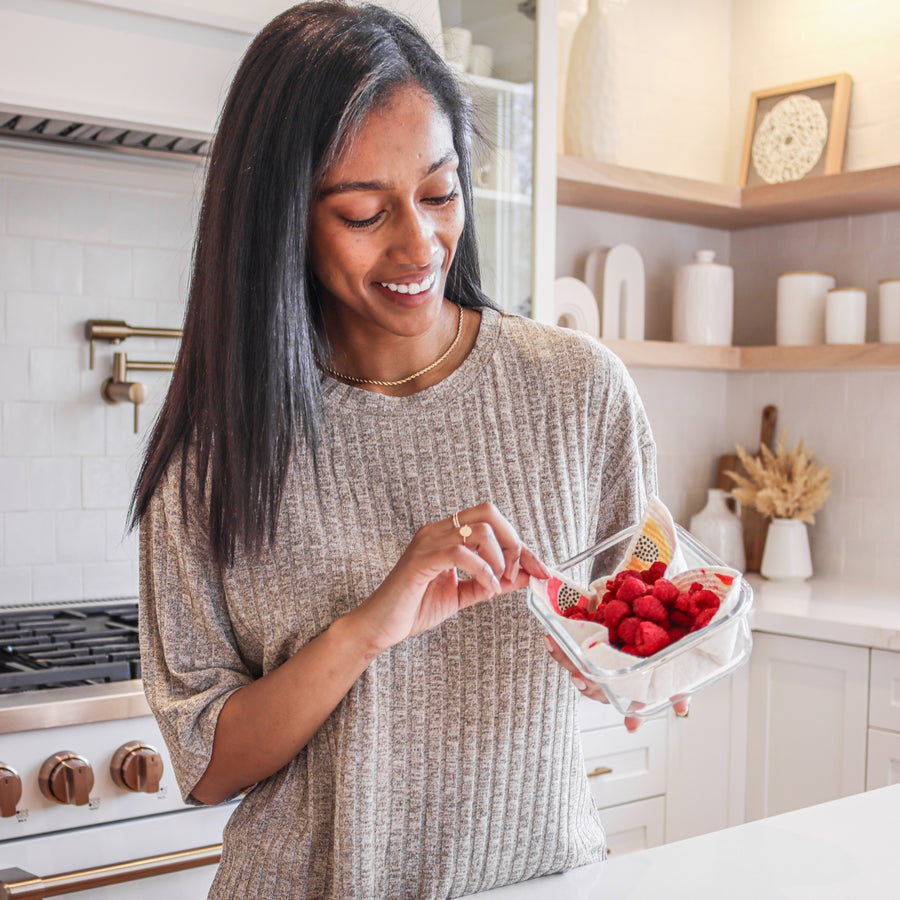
[[503, 170]]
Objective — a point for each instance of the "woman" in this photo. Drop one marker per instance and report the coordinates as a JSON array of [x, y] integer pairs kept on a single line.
[[350, 424]]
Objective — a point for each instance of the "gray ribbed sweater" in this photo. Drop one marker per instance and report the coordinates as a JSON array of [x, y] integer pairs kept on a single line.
[[453, 765]]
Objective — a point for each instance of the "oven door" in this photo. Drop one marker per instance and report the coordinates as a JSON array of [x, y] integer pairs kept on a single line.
[[78, 858]]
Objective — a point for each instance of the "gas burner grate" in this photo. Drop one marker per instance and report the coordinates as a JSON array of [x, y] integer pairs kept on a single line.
[[68, 646]]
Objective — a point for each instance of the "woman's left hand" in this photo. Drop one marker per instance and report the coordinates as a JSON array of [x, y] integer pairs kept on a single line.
[[595, 692]]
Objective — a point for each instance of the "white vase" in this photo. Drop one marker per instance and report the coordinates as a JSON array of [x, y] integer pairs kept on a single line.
[[703, 302], [786, 555], [589, 124], [719, 529]]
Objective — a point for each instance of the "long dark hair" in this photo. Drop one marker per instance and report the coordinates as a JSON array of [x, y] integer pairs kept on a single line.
[[246, 388]]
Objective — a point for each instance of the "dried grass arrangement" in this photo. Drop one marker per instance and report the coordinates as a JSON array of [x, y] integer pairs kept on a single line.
[[786, 484]]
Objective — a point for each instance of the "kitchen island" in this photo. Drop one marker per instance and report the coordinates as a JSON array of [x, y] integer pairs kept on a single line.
[[840, 850]]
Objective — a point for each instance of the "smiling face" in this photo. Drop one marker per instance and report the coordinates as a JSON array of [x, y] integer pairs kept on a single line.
[[384, 228]]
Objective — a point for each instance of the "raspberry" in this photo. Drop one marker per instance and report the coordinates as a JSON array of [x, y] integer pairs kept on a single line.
[[627, 629], [651, 609], [676, 634], [706, 600], [681, 619], [631, 588], [599, 614], [656, 571], [650, 639], [576, 613], [616, 610], [704, 617], [685, 603], [665, 591]]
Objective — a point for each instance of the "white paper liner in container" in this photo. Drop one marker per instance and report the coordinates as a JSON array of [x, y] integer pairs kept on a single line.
[[643, 686]]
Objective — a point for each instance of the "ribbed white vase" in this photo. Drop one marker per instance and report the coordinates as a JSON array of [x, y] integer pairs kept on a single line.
[[589, 126]]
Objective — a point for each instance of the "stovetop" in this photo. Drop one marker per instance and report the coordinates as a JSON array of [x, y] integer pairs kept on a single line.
[[65, 646]]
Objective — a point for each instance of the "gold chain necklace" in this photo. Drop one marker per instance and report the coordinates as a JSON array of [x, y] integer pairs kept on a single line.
[[408, 378]]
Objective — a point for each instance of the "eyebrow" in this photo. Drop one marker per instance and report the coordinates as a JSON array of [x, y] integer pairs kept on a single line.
[[345, 187]]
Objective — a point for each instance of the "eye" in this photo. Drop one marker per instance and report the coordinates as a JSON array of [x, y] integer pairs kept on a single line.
[[443, 200], [361, 223]]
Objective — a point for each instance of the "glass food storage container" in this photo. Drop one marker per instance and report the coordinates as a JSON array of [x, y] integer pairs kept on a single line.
[[649, 685]]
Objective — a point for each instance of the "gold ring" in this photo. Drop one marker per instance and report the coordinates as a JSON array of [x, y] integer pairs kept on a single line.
[[464, 530]]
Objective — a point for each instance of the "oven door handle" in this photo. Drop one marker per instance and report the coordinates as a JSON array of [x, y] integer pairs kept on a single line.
[[22, 885]]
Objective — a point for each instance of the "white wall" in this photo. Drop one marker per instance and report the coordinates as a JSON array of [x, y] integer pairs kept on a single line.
[[685, 71], [81, 237]]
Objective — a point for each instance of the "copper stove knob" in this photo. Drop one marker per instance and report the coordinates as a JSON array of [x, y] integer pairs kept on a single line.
[[137, 767], [66, 777], [10, 790]]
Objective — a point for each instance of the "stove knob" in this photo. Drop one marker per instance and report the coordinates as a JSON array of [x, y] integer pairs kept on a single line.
[[66, 777], [137, 767], [10, 790]]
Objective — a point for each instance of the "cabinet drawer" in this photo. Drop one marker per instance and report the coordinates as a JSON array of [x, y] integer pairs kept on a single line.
[[593, 714], [884, 690], [622, 766], [883, 759], [634, 826]]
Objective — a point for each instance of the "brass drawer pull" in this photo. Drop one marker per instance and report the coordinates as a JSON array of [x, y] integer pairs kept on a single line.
[[600, 770], [16, 883]]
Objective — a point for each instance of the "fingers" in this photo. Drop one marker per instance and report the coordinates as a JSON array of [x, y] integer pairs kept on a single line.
[[586, 686]]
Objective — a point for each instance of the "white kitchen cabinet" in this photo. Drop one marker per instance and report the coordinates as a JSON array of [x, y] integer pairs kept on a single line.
[[807, 723], [627, 774], [883, 756]]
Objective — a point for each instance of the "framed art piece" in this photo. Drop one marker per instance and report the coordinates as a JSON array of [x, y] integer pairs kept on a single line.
[[796, 131]]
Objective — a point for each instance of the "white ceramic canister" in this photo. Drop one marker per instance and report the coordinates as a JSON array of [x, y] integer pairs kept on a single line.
[[720, 529], [889, 310], [786, 555], [800, 308], [703, 301], [845, 316]]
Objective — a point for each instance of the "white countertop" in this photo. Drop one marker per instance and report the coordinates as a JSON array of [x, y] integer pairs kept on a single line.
[[845, 611], [840, 850]]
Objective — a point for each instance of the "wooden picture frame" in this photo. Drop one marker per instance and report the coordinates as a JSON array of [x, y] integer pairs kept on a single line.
[[832, 95]]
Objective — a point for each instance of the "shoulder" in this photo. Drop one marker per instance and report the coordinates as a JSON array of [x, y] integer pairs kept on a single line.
[[558, 354]]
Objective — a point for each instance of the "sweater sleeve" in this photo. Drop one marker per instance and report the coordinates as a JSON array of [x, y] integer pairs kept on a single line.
[[190, 661], [626, 477]]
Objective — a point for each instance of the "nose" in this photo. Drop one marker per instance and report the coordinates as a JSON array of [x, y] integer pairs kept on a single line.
[[415, 240]]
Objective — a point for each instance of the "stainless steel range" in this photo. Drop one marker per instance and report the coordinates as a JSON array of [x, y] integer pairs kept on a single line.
[[88, 801]]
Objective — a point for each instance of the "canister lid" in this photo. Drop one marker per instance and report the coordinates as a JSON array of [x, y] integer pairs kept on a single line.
[[826, 274], [888, 280], [846, 287]]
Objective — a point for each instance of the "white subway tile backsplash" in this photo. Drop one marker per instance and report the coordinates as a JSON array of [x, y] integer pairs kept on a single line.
[[176, 223], [57, 584], [14, 371], [107, 270], [27, 429], [14, 484], [106, 482], [54, 482], [121, 544], [15, 583], [57, 267], [32, 208], [110, 579], [71, 315], [30, 318], [80, 428], [29, 538], [132, 219], [15, 263], [84, 214], [81, 536], [53, 374], [157, 274]]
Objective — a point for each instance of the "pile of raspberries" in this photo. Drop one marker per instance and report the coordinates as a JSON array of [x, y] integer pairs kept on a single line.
[[644, 612]]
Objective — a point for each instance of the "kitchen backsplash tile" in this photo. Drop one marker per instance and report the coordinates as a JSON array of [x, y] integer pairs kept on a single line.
[[15, 263], [84, 214], [132, 219], [30, 537], [80, 536], [32, 208], [107, 270]]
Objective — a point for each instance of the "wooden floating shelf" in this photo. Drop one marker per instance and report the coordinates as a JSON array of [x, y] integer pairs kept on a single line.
[[653, 195], [669, 355]]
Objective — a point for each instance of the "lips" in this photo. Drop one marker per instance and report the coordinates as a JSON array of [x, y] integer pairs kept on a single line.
[[410, 287]]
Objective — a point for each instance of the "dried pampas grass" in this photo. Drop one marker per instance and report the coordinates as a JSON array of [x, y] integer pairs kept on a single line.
[[786, 484]]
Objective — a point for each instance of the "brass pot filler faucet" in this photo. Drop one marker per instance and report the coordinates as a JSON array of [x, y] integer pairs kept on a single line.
[[117, 388]]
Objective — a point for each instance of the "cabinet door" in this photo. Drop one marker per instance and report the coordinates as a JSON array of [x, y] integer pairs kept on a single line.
[[624, 766], [807, 723], [883, 760], [884, 690], [634, 826]]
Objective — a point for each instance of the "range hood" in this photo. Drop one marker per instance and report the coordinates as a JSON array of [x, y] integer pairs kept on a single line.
[[79, 131]]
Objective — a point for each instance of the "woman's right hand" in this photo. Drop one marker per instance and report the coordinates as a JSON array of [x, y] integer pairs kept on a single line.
[[424, 588]]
